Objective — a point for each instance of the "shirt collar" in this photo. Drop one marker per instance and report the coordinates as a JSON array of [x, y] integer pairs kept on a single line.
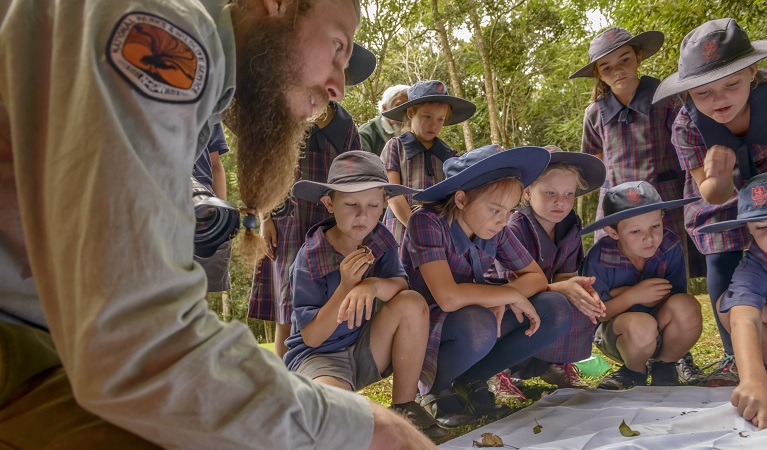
[[611, 256], [641, 102], [323, 259], [413, 147], [461, 242], [337, 130]]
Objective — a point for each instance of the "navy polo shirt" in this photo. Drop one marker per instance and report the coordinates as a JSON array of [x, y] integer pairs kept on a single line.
[[749, 282], [315, 276], [203, 170], [612, 269]]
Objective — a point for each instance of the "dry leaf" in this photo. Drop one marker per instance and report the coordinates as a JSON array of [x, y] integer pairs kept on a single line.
[[626, 431], [537, 428], [740, 433], [490, 440]]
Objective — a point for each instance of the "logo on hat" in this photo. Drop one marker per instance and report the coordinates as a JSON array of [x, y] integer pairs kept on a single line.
[[633, 196], [759, 195], [710, 49], [441, 88]]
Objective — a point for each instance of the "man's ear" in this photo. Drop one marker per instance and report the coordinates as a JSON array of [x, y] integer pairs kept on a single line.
[[460, 199], [328, 202], [612, 232]]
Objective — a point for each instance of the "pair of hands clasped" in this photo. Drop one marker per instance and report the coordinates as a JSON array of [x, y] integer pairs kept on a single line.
[[581, 294]]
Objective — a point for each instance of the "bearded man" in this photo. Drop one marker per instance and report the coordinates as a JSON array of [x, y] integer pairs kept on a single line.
[[105, 335]]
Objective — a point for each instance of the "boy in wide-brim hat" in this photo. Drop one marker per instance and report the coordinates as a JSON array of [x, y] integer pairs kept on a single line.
[[346, 263], [641, 278]]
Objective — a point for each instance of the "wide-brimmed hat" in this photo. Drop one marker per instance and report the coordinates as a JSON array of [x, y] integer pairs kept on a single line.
[[353, 171], [433, 91], [362, 63], [649, 42], [714, 50], [752, 206], [632, 199], [592, 169], [485, 165]]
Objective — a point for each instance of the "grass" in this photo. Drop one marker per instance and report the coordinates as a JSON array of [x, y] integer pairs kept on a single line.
[[706, 351]]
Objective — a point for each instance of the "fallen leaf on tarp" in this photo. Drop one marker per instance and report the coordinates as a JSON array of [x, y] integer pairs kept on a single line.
[[740, 433], [491, 440], [626, 431], [544, 393], [537, 428]]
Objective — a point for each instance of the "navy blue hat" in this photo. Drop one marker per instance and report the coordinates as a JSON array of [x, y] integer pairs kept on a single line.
[[433, 91], [752, 206], [362, 63], [632, 199], [485, 165], [592, 169]]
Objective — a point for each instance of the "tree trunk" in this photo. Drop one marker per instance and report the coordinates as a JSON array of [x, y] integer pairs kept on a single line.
[[492, 108], [454, 81]]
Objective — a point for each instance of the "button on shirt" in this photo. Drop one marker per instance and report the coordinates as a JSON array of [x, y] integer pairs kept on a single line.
[[749, 282], [431, 238], [315, 276], [612, 269]]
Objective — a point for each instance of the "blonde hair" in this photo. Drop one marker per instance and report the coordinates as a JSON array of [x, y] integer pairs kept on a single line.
[[600, 87], [580, 182], [448, 208], [406, 123]]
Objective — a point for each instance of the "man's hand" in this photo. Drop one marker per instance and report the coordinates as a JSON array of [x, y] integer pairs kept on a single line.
[[393, 432]]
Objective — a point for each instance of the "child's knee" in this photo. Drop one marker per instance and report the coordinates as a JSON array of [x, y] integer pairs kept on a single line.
[[639, 330], [410, 304], [685, 310], [553, 308]]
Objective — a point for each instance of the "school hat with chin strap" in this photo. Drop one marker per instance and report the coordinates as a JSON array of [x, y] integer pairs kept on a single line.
[[433, 91], [714, 50], [592, 169], [613, 38], [752, 206]]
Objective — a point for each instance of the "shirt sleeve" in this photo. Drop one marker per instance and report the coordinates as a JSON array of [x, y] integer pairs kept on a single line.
[[390, 155], [747, 286], [591, 141], [428, 241], [106, 206], [217, 141], [688, 142], [511, 253], [592, 268], [309, 296], [389, 265]]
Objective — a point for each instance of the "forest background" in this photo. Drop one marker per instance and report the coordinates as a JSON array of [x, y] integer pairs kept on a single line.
[[510, 57]]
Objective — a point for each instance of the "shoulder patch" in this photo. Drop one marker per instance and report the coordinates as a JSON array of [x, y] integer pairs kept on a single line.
[[160, 60]]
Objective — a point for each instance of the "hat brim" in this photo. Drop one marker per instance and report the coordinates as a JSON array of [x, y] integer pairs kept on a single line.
[[362, 63], [461, 109], [633, 212], [673, 85], [529, 162], [592, 168], [648, 41], [730, 224], [312, 191]]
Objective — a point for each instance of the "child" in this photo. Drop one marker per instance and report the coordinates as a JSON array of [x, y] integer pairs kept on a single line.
[[346, 263], [741, 307], [415, 158], [478, 329], [284, 229], [723, 121], [641, 277], [622, 127], [548, 227]]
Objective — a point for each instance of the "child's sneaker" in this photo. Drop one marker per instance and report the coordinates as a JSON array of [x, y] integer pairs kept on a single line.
[[689, 372], [421, 420], [664, 374], [622, 378], [725, 375], [505, 387], [565, 375]]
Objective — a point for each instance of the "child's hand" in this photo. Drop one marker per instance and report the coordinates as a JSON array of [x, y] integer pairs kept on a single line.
[[750, 397], [523, 308], [268, 231], [650, 292], [353, 268], [359, 300], [719, 162], [580, 293], [499, 311]]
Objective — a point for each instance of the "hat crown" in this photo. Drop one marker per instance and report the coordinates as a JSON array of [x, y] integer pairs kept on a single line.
[[456, 165], [425, 89], [629, 195], [712, 45], [355, 167], [610, 39], [752, 198]]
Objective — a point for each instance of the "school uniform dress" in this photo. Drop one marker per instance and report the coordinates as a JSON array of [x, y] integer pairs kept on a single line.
[[418, 167], [270, 295], [635, 143], [748, 281], [315, 276], [563, 254], [431, 238]]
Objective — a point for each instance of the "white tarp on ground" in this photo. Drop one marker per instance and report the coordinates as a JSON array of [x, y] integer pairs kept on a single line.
[[666, 417]]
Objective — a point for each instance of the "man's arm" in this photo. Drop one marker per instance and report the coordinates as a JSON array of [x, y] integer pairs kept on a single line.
[[219, 175]]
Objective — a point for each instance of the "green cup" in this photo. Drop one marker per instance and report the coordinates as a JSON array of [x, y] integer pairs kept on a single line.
[[595, 366]]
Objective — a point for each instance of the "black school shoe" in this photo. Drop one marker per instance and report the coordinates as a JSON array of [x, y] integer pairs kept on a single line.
[[623, 378], [664, 374], [481, 400], [448, 408], [421, 420]]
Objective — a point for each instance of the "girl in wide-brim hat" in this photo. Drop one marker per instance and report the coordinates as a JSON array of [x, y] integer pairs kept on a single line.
[[721, 140]]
